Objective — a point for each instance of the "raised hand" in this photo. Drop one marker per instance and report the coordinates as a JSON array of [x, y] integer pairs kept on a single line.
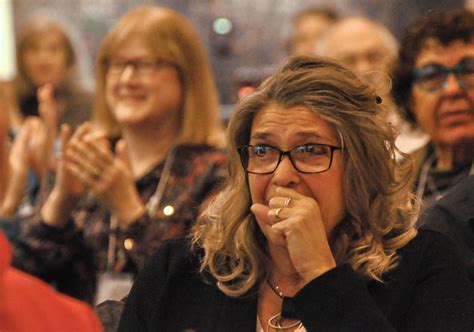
[[42, 142], [293, 221], [17, 168], [67, 188], [109, 176], [67, 183], [48, 108]]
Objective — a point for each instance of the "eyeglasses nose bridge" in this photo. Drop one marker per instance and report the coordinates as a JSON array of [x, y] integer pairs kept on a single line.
[[288, 154], [452, 77], [126, 72]]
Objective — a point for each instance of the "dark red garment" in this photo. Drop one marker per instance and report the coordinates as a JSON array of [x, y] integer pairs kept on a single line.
[[29, 304]]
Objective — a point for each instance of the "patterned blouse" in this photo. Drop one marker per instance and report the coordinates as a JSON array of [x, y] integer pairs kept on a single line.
[[70, 258]]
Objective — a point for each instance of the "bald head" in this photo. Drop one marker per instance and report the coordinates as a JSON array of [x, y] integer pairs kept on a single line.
[[309, 25], [360, 44]]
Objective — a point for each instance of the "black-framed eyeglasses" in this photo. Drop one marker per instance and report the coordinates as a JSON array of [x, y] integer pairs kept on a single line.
[[143, 67], [309, 158], [433, 77]]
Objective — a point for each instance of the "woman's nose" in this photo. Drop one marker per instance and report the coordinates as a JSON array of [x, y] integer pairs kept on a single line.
[[452, 85], [128, 74], [285, 174]]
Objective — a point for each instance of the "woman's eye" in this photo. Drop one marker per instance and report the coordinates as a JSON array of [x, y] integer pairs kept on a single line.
[[260, 150], [311, 149]]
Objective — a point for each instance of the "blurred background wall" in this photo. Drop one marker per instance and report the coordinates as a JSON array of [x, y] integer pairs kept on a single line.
[[257, 36]]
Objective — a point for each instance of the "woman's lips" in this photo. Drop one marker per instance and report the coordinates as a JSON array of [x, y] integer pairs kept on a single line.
[[131, 98], [453, 118]]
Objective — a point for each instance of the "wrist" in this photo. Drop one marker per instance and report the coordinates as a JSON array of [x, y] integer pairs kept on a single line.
[[7, 208], [315, 273], [56, 211], [126, 217]]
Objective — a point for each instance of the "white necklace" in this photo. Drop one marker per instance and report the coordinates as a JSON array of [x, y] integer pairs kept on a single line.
[[274, 322]]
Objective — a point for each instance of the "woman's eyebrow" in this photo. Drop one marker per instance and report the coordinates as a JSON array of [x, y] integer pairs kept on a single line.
[[304, 135], [261, 135]]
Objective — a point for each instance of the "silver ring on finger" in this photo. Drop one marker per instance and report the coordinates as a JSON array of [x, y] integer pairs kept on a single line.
[[287, 202], [277, 212]]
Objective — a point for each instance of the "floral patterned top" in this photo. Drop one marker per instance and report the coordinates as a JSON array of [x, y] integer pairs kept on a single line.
[[70, 258]]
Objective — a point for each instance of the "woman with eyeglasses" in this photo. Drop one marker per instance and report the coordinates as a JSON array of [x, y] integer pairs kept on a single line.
[[311, 231], [434, 85], [113, 204]]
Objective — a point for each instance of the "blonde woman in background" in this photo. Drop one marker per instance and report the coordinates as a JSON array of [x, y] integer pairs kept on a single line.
[[109, 211]]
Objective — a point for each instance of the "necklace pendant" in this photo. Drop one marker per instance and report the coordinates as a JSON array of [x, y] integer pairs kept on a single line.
[[275, 323]]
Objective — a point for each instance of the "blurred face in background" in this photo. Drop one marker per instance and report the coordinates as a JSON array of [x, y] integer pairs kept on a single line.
[[445, 110], [142, 87], [308, 29], [359, 45], [45, 57]]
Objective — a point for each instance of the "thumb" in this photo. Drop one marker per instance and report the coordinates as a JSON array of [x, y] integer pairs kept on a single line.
[[65, 137], [121, 153], [261, 213], [47, 107], [45, 92]]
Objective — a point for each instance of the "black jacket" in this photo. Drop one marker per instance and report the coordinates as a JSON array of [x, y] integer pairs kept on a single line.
[[453, 216], [428, 291]]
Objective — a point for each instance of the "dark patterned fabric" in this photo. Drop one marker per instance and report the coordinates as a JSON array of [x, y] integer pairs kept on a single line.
[[70, 258]]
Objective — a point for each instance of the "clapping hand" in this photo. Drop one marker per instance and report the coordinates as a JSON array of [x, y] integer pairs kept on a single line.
[[89, 158], [31, 149]]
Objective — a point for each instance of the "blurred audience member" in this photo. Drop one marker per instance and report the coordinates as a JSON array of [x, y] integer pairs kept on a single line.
[[434, 83], [48, 69], [109, 211], [308, 26], [28, 304], [46, 55], [369, 48], [361, 44]]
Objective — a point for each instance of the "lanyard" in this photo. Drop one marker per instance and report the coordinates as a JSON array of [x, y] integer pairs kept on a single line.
[[155, 200], [151, 207]]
